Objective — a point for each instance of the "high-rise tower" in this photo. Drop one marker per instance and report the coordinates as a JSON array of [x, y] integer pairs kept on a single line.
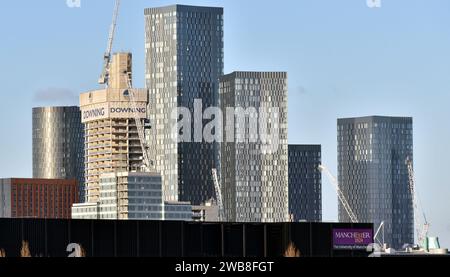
[[305, 183], [111, 138], [255, 180], [373, 174], [184, 60], [58, 144]]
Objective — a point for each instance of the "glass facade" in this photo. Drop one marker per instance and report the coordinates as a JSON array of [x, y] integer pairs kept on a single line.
[[133, 196], [130, 195], [373, 174], [184, 60], [305, 183], [255, 183], [58, 144]]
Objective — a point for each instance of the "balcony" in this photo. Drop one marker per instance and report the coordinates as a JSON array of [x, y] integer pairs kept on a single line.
[[119, 131], [102, 145], [119, 138], [90, 154], [93, 140]]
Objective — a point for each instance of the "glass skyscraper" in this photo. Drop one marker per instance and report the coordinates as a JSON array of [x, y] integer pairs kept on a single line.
[[373, 175], [305, 183], [184, 60], [58, 144], [254, 182]]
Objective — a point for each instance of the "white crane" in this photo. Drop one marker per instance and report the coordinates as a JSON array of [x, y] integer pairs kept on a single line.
[[348, 209], [380, 229], [218, 195], [104, 78], [340, 194], [148, 163], [421, 228]]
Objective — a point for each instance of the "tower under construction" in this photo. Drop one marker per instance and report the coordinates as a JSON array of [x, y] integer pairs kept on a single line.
[[111, 137]]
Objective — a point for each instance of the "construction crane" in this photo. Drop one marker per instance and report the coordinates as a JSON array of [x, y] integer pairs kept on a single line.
[[104, 78], [421, 228], [148, 163], [348, 209], [380, 229], [218, 195], [340, 194]]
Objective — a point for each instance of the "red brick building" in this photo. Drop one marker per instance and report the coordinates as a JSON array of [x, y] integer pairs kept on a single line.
[[37, 198]]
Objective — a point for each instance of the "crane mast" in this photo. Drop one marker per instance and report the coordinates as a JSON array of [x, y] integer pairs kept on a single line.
[[218, 195], [380, 229], [104, 78], [340, 194], [148, 163], [421, 229]]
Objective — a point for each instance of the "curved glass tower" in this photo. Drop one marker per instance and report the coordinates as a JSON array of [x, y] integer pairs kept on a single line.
[[58, 144]]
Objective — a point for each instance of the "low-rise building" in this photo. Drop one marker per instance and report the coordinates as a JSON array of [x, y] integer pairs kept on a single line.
[[132, 195], [177, 211], [37, 198], [85, 211], [208, 212]]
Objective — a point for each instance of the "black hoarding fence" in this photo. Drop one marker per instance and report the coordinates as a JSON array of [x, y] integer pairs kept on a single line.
[[101, 238]]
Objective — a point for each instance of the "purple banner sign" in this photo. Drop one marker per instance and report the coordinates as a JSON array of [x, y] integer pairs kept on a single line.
[[352, 238]]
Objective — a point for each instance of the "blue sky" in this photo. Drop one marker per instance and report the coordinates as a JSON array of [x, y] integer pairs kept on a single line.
[[343, 59]]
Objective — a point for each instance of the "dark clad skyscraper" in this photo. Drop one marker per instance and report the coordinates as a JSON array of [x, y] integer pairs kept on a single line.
[[305, 183], [184, 60], [58, 144], [255, 181], [373, 175]]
